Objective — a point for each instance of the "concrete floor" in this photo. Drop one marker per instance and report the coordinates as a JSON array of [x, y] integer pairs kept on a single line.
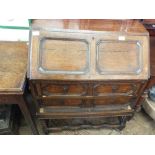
[[140, 124]]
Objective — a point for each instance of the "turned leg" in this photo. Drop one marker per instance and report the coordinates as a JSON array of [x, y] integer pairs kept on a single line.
[[24, 109]]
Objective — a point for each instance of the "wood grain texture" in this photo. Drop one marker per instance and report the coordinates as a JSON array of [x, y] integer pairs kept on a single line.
[[131, 26], [96, 54], [13, 65], [152, 55], [150, 26]]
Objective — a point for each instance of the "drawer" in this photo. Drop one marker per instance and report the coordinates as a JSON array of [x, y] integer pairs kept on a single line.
[[64, 89], [62, 102], [112, 100], [89, 101], [122, 89]]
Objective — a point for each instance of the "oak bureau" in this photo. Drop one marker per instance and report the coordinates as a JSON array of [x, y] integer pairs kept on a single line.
[[87, 73]]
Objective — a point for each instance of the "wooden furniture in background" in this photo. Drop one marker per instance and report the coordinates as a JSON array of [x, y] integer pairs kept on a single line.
[[13, 65], [87, 69], [150, 26]]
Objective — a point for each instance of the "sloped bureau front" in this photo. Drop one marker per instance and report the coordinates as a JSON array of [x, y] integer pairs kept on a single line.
[[96, 56]]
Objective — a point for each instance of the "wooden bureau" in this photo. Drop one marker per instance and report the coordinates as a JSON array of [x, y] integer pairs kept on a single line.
[[87, 69]]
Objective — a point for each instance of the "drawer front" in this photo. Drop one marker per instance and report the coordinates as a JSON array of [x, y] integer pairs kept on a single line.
[[115, 100], [64, 89], [62, 102], [120, 89], [85, 94], [84, 102]]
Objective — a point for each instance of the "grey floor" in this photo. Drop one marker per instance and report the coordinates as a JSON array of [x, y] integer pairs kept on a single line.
[[140, 124]]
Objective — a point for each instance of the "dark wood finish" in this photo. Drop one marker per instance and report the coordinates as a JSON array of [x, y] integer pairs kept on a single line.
[[110, 92], [13, 65], [150, 26], [88, 69]]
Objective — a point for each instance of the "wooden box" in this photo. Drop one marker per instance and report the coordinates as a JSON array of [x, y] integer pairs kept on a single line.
[[88, 68]]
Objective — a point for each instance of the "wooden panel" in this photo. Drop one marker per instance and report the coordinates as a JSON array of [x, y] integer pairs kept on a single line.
[[13, 65], [119, 57], [152, 55], [91, 24], [150, 26], [67, 112], [64, 89], [62, 102], [95, 55], [53, 89], [111, 100], [113, 88], [106, 100], [63, 56]]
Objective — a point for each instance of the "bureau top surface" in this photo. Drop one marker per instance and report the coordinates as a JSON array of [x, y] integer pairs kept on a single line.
[[65, 50], [13, 64], [131, 26]]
